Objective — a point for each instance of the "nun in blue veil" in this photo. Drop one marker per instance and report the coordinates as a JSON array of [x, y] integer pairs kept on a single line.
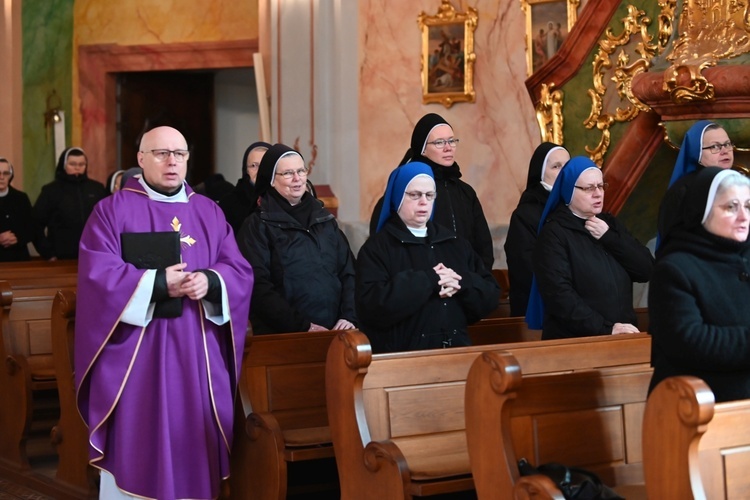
[[418, 284], [585, 261], [706, 144]]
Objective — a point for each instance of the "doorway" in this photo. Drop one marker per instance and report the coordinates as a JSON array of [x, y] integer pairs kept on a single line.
[[180, 99]]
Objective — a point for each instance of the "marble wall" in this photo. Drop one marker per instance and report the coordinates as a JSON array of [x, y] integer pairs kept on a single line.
[[498, 132]]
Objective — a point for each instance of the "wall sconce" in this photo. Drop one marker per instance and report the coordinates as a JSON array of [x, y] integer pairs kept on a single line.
[[54, 118]]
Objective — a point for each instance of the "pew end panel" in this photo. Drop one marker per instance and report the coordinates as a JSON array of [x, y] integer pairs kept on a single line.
[[282, 411], [703, 447], [15, 387], [581, 403], [70, 435]]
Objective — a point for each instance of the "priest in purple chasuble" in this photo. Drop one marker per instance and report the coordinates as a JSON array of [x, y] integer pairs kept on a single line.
[[157, 393]]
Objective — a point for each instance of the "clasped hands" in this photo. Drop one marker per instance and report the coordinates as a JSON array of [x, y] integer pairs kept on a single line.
[[194, 285], [8, 239], [449, 281]]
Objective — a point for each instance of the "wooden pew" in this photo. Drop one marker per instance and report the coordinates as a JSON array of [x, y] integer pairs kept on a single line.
[[283, 416], [397, 420], [590, 417], [501, 331], [692, 447], [25, 322], [70, 435]]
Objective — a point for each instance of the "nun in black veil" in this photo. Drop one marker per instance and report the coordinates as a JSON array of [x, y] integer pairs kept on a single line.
[[456, 204], [546, 162]]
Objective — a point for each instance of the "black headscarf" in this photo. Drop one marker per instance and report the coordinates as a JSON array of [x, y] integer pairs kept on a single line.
[[267, 167], [698, 200], [259, 144], [60, 170], [419, 141], [537, 163]]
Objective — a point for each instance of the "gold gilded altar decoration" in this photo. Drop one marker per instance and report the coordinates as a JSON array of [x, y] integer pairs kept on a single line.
[[549, 114], [637, 48], [710, 30]]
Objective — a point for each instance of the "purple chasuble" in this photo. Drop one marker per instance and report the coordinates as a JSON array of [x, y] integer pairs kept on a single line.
[[158, 400]]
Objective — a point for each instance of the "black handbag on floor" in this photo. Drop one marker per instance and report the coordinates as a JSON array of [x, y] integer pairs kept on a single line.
[[573, 482]]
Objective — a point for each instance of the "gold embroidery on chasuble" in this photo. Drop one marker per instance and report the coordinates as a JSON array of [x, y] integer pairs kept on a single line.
[[185, 239]]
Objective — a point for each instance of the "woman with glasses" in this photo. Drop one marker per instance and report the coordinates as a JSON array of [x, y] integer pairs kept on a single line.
[[418, 283], [698, 319], [64, 205], [457, 206], [546, 162], [705, 144], [585, 261], [304, 268]]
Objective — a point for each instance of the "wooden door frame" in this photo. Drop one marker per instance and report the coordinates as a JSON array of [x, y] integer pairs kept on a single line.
[[98, 66]]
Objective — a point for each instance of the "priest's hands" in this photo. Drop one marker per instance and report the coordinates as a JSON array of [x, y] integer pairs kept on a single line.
[[179, 283]]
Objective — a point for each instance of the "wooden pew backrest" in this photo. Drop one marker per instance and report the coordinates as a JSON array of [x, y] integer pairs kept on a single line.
[[702, 447]]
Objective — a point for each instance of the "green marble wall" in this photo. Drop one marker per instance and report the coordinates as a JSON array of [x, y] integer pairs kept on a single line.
[[47, 33]]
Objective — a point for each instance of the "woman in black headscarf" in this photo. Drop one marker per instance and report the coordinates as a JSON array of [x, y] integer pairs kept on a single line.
[[242, 200], [16, 224], [64, 205], [698, 317], [545, 164], [456, 205], [304, 268]]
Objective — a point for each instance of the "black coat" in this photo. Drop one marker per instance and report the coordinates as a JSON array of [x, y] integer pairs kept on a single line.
[[587, 284], [698, 313], [302, 274], [238, 204], [397, 289], [15, 216], [62, 209], [519, 245], [456, 207]]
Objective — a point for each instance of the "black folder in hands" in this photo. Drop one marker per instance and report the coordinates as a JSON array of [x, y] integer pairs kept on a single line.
[[157, 250]]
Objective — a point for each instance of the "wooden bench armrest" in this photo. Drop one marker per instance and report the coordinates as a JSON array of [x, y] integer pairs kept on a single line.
[[15, 417], [536, 487], [492, 382], [677, 413]]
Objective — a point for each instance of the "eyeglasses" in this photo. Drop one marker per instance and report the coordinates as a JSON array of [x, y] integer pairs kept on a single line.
[[5, 174], [733, 207], [415, 195], [440, 143], [302, 172], [180, 155], [717, 148], [593, 187]]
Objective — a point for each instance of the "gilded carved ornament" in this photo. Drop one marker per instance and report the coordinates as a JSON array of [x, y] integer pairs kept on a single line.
[[636, 37], [709, 30], [549, 114]]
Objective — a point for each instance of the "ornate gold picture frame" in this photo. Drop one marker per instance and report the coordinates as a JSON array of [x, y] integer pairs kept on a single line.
[[448, 55], [548, 23]]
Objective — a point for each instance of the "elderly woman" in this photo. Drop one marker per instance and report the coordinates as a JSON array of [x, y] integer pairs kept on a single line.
[[241, 201], [698, 317], [456, 206], [585, 261], [418, 283], [705, 144], [304, 269], [545, 164]]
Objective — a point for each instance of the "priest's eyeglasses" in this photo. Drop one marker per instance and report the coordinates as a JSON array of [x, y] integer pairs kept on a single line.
[[289, 174], [415, 195], [180, 155], [716, 148], [593, 187], [441, 143]]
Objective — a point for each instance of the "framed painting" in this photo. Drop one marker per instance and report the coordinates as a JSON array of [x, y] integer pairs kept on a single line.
[[548, 23], [448, 55]]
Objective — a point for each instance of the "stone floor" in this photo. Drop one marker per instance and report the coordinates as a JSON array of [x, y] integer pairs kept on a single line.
[[11, 491]]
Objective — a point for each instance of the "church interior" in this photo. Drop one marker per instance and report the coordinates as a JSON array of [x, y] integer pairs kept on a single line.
[[344, 82]]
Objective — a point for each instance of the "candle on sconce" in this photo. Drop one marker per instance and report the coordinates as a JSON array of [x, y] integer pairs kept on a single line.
[[58, 120]]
